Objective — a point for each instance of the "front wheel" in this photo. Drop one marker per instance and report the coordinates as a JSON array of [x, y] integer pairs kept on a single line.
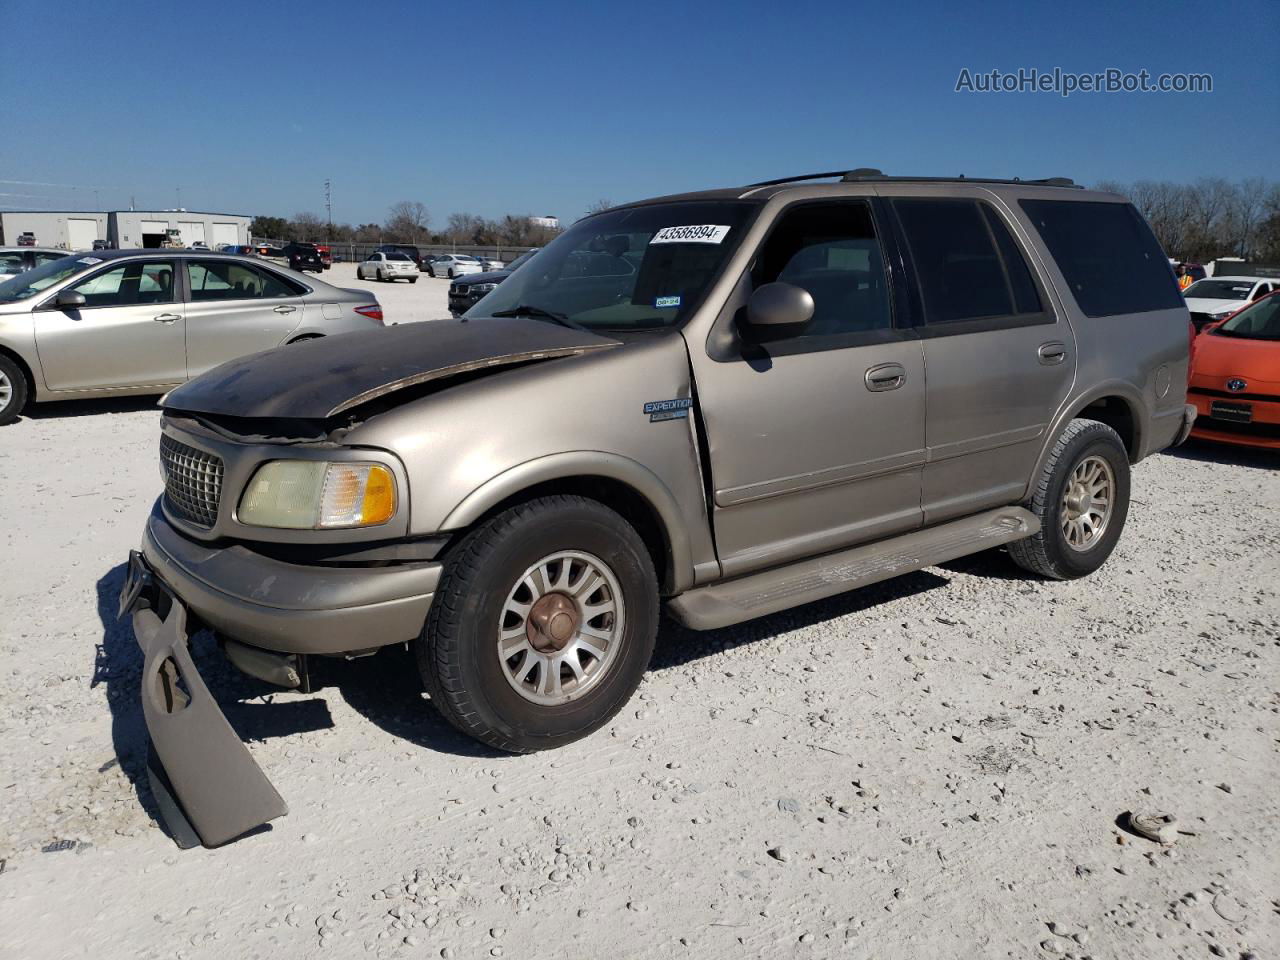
[[1081, 499], [451, 273], [13, 390], [413, 279], [542, 625]]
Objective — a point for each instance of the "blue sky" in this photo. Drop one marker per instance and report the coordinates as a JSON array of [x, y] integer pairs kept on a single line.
[[545, 107]]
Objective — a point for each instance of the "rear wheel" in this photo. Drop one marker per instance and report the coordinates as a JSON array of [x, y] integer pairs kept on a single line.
[[13, 390], [1081, 500], [451, 273], [542, 625], [413, 279]]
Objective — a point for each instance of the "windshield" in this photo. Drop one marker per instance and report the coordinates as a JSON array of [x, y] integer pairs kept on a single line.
[[1220, 289], [1261, 321], [638, 268], [521, 260], [33, 281]]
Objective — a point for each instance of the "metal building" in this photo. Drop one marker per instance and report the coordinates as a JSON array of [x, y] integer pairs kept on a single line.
[[125, 229]]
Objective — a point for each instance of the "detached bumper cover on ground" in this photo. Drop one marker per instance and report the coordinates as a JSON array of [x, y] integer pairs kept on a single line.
[[217, 789], [221, 791]]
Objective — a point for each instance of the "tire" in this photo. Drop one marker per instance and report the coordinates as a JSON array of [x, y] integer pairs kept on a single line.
[[381, 277], [14, 390], [413, 279], [451, 273], [1086, 449], [359, 273], [475, 688]]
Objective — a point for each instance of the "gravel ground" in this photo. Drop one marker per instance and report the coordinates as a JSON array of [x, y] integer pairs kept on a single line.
[[932, 767], [402, 302]]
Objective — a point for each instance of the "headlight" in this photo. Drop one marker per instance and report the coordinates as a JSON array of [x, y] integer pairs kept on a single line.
[[315, 495], [483, 287]]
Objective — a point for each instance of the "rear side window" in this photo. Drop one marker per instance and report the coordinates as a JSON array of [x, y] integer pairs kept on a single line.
[[229, 280], [967, 265], [1108, 255]]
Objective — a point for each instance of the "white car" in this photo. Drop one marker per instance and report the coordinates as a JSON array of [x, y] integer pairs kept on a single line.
[[453, 265], [388, 266], [1214, 298], [491, 263]]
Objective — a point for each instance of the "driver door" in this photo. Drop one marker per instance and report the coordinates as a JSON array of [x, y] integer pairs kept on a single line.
[[131, 332], [816, 435]]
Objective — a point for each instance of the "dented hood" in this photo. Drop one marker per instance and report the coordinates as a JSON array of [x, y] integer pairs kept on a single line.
[[322, 378]]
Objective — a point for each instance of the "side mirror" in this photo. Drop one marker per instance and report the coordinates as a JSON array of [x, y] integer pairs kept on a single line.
[[776, 305], [69, 300]]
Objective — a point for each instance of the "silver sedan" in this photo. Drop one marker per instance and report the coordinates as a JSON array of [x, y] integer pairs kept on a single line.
[[143, 321]]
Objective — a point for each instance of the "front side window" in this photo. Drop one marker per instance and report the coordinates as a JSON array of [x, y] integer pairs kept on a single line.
[[830, 250], [637, 268], [45, 256], [967, 264], [1108, 256], [229, 280], [129, 284]]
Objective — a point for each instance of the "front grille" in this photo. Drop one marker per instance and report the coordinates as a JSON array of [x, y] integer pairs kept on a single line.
[[192, 481]]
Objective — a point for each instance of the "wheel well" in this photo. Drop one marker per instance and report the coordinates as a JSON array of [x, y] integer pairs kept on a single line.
[[307, 336], [617, 496], [1116, 413], [26, 371]]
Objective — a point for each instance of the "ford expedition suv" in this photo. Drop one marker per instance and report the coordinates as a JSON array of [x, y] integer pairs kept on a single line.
[[723, 404]]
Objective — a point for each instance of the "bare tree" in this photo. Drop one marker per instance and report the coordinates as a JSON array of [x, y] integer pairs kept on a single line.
[[307, 226], [408, 220], [600, 206]]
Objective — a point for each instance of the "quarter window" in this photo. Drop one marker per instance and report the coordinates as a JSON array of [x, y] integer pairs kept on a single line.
[[229, 280], [129, 284], [830, 250], [1107, 254], [967, 264]]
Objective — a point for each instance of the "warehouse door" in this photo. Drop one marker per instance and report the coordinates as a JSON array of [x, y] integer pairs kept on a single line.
[[81, 233], [192, 231], [225, 233], [153, 233]]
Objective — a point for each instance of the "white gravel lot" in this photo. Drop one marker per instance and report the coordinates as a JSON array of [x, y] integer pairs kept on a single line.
[[402, 301], [932, 767]]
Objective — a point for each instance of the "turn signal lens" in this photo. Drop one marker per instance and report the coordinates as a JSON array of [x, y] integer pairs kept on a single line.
[[315, 495]]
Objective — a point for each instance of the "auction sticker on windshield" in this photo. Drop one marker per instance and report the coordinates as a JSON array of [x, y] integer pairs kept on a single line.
[[705, 233]]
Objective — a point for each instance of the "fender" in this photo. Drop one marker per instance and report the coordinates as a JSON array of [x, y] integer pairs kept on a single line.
[[1073, 408], [586, 463]]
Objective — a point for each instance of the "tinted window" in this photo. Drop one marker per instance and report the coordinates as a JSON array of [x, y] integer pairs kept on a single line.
[[399, 256], [1107, 254], [831, 250], [229, 280], [12, 260], [47, 257], [967, 265], [130, 284]]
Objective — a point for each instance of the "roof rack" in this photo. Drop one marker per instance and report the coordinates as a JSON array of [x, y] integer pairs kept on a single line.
[[864, 174]]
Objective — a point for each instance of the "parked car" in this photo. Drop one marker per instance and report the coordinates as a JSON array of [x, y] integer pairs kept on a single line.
[[388, 266], [303, 257], [326, 255], [26, 239], [732, 420], [453, 265], [408, 249], [15, 260], [199, 245], [466, 292], [1235, 377], [102, 245], [142, 321], [489, 263], [271, 253], [1216, 298], [240, 249]]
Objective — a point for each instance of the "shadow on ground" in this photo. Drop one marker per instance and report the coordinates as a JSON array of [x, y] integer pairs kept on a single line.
[[1206, 451], [59, 409]]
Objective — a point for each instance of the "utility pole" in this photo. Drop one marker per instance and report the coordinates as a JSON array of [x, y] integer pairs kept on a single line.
[[328, 206]]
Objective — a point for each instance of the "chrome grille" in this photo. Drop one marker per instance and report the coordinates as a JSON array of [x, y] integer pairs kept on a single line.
[[192, 481]]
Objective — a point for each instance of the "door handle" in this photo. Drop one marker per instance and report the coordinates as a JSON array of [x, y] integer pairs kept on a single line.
[[885, 376], [167, 318], [1052, 352], [285, 309]]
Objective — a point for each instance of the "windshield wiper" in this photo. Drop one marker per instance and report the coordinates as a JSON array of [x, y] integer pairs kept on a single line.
[[540, 313]]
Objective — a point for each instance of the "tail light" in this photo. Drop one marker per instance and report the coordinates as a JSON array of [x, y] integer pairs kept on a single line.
[[373, 311]]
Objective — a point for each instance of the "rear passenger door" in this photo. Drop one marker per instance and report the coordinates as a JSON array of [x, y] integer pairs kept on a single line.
[[998, 360], [235, 309]]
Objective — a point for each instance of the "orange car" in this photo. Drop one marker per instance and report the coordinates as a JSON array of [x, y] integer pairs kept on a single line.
[[1235, 377]]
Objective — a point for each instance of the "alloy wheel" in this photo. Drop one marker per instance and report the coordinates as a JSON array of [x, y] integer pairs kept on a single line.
[[1087, 503], [561, 627]]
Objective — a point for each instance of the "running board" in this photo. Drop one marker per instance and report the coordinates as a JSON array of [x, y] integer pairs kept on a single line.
[[757, 594]]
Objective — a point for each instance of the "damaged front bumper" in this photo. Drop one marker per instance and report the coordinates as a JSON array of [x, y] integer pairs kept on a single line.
[[204, 780]]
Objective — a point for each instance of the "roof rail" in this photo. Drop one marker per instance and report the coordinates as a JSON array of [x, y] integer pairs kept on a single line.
[[864, 174]]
